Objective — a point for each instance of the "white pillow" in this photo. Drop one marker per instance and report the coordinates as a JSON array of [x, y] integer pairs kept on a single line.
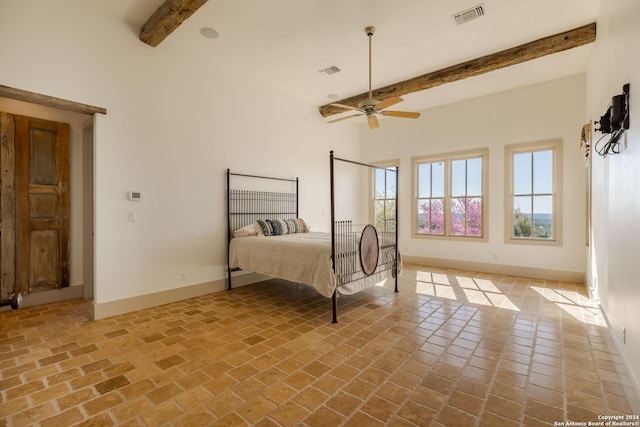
[[247, 230]]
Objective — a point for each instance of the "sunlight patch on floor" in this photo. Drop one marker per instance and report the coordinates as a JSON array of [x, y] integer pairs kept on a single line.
[[476, 297], [587, 315], [424, 276], [441, 279], [475, 291], [493, 298], [552, 295], [425, 289], [466, 282], [486, 285], [445, 291], [574, 304], [502, 301], [435, 290], [484, 292]]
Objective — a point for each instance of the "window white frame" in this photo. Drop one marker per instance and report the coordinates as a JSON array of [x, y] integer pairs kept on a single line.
[[387, 200], [555, 192], [447, 160]]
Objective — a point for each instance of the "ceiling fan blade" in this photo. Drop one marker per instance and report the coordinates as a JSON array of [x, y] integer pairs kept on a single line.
[[344, 118], [386, 103], [348, 107], [373, 121], [405, 114]]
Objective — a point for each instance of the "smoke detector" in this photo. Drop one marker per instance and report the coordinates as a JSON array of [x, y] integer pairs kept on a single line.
[[469, 14]]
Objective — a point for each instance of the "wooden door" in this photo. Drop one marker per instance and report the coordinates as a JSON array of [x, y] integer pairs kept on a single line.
[[39, 224]]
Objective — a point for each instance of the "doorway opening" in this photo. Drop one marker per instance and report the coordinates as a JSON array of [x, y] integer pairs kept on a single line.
[[81, 200]]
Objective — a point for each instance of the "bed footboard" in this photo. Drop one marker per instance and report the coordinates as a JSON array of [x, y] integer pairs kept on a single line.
[[360, 251], [358, 257]]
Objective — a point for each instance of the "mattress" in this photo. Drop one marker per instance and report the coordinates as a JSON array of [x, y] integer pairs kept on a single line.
[[301, 258]]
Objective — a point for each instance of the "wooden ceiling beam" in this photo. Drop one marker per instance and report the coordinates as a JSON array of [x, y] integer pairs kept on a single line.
[[49, 101], [515, 55], [166, 19]]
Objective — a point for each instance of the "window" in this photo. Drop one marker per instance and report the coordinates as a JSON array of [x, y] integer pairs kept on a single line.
[[431, 198], [532, 173], [451, 193], [384, 197]]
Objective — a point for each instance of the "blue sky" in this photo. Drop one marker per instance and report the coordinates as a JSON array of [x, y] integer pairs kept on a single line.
[[533, 174]]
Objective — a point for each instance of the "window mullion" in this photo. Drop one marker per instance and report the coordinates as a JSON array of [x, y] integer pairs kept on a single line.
[[532, 196], [466, 193], [447, 197]]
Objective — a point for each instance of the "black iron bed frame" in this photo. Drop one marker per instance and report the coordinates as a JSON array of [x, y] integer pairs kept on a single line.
[[247, 206]]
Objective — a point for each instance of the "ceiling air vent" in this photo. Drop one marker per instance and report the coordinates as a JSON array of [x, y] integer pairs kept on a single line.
[[469, 14], [330, 70]]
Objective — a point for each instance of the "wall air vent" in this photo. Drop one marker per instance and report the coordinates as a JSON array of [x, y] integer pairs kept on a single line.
[[469, 14], [330, 70]]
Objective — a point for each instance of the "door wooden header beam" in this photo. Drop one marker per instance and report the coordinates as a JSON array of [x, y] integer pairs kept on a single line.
[[515, 55], [166, 19], [49, 101]]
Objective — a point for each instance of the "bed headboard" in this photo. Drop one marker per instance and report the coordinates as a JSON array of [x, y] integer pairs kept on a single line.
[[247, 206]]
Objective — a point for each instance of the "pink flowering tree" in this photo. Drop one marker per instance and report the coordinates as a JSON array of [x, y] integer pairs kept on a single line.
[[431, 217], [466, 217]]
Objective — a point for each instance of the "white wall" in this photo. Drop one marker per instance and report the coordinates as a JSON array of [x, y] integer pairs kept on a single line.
[[544, 111], [613, 262], [176, 119]]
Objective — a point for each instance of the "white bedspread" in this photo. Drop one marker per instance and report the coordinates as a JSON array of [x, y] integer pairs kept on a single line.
[[302, 258]]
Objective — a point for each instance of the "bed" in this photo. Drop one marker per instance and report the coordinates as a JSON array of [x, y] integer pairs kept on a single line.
[[266, 235]]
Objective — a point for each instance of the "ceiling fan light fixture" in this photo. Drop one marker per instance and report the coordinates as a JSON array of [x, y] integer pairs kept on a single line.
[[372, 107]]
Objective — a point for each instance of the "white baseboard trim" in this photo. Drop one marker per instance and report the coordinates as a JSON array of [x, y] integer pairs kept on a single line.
[[633, 400], [140, 302], [511, 270]]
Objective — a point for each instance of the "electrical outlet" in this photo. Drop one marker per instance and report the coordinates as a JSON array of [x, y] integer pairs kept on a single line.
[[183, 276], [131, 216]]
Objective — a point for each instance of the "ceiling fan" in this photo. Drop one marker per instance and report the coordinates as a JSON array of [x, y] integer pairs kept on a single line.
[[372, 107]]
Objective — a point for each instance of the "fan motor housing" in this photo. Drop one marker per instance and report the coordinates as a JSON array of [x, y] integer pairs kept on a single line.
[[369, 103]]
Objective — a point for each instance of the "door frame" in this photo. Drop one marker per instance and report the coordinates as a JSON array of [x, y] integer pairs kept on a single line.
[[88, 207], [17, 101]]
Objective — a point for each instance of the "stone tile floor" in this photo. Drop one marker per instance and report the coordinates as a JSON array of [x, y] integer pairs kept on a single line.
[[451, 348]]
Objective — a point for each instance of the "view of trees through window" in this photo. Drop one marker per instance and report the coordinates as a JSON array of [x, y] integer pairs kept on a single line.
[[431, 198], [456, 201], [384, 201], [533, 195]]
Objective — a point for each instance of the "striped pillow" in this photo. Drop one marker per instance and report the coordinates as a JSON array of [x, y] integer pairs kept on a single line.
[[265, 226], [297, 225], [278, 226]]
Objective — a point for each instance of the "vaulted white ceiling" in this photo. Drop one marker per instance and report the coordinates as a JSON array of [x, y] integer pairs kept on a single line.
[[284, 43]]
